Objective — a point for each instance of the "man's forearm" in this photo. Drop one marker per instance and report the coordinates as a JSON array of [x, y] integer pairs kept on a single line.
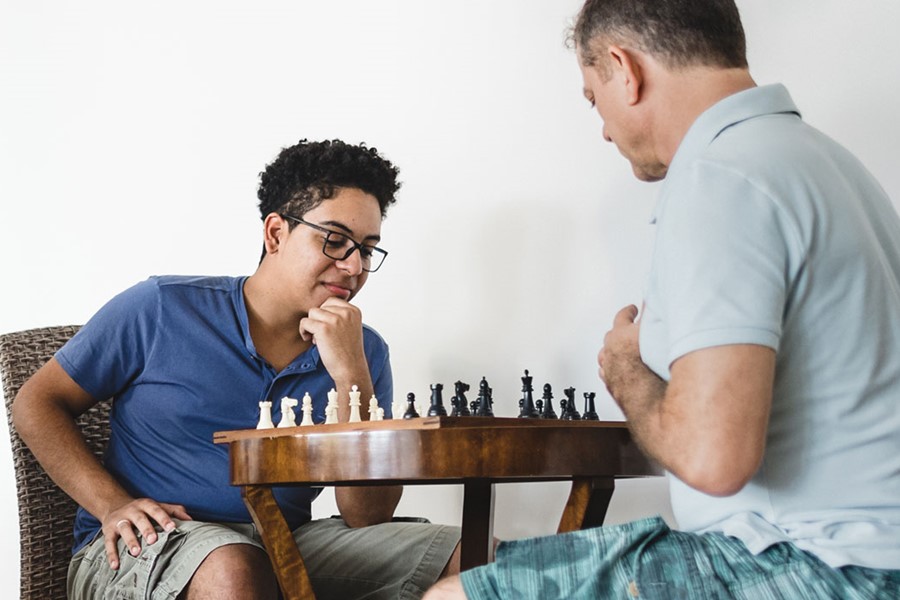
[[641, 396]]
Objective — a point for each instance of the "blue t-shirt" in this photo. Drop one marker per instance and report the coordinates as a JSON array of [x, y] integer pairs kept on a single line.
[[176, 356], [770, 233]]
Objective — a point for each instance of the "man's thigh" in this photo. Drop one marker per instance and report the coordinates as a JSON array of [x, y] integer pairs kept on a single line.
[[161, 571], [645, 559], [400, 559]]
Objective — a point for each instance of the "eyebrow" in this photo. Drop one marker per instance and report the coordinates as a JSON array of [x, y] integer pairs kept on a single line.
[[348, 231]]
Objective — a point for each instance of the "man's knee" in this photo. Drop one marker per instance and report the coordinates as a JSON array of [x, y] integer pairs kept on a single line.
[[233, 571], [449, 588]]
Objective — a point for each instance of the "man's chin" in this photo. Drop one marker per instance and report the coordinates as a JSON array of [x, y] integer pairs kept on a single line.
[[656, 173]]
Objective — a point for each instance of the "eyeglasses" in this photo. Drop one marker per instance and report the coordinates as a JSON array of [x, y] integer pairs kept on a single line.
[[338, 246]]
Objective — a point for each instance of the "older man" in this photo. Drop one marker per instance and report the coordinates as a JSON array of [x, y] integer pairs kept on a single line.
[[763, 370]]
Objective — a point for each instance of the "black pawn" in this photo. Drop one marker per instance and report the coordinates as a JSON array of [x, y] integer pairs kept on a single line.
[[570, 412], [590, 413], [411, 407], [546, 405], [437, 401], [527, 404], [459, 402]]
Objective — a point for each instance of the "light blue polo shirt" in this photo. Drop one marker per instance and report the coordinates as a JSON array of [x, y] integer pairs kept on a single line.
[[176, 355], [770, 233]]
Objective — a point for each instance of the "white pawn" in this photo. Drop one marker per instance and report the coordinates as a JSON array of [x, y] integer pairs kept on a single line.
[[376, 413], [398, 407], [265, 415], [331, 409], [287, 412], [354, 405], [307, 410]]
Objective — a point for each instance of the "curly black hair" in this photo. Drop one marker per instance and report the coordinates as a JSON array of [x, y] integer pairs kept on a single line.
[[302, 176]]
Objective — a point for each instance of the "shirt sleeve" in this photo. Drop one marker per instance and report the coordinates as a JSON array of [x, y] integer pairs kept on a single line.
[[108, 353], [723, 255]]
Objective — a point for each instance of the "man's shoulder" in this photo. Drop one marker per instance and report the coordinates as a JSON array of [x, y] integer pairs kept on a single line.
[[372, 339], [223, 283]]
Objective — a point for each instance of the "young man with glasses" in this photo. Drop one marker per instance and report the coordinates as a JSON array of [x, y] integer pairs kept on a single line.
[[183, 357]]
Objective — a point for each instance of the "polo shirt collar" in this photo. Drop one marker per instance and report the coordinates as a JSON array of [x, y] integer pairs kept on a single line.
[[744, 105], [305, 362]]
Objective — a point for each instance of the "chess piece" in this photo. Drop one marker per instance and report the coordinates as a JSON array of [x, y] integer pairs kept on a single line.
[[287, 412], [411, 412], [527, 404], [354, 405], [483, 407], [437, 401], [570, 412], [307, 409], [547, 411], [590, 413], [376, 413], [398, 406], [459, 402], [265, 415], [331, 409]]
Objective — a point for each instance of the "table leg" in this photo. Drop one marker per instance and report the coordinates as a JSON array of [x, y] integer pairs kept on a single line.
[[587, 503], [477, 524], [279, 542]]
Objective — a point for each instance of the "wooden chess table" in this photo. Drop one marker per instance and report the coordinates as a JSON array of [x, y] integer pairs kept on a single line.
[[476, 452]]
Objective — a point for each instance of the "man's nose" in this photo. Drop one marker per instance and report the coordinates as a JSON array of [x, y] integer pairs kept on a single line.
[[352, 264]]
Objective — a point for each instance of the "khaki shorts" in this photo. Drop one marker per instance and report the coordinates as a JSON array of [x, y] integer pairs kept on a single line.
[[342, 562]]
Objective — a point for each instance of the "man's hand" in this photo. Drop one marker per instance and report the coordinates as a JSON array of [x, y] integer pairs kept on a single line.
[[336, 329], [140, 515], [632, 384]]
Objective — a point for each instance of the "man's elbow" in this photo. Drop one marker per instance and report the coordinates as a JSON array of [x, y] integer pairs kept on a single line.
[[719, 478]]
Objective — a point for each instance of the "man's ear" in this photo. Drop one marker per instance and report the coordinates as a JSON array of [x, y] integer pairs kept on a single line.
[[627, 66], [275, 231]]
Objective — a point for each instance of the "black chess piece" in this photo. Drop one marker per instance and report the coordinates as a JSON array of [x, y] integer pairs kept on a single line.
[[570, 412], [590, 412], [483, 406], [459, 402], [489, 402], [527, 405], [437, 401], [545, 407], [411, 407]]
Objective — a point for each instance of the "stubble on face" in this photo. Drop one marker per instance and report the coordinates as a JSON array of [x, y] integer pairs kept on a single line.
[[631, 136]]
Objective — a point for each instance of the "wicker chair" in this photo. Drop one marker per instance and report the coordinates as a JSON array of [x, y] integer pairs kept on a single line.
[[46, 513]]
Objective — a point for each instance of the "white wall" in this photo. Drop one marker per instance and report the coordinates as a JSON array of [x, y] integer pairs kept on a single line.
[[131, 138]]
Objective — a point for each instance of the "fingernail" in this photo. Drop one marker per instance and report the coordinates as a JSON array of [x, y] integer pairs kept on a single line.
[[135, 551], [151, 538], [170, 527], [114, 565]]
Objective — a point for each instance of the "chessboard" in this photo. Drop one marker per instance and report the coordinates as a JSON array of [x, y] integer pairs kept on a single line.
[[482, 407]]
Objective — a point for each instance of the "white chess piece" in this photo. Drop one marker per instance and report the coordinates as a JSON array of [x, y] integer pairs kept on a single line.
[[331, 409], [307, 410], [354, 405], [398, 407], [265, 415], [376, 413], [287, 412]]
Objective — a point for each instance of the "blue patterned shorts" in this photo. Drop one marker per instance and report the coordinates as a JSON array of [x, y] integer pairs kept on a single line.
[[645, 559]]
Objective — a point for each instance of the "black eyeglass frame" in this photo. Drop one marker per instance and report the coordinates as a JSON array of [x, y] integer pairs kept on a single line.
[[377, 253]]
